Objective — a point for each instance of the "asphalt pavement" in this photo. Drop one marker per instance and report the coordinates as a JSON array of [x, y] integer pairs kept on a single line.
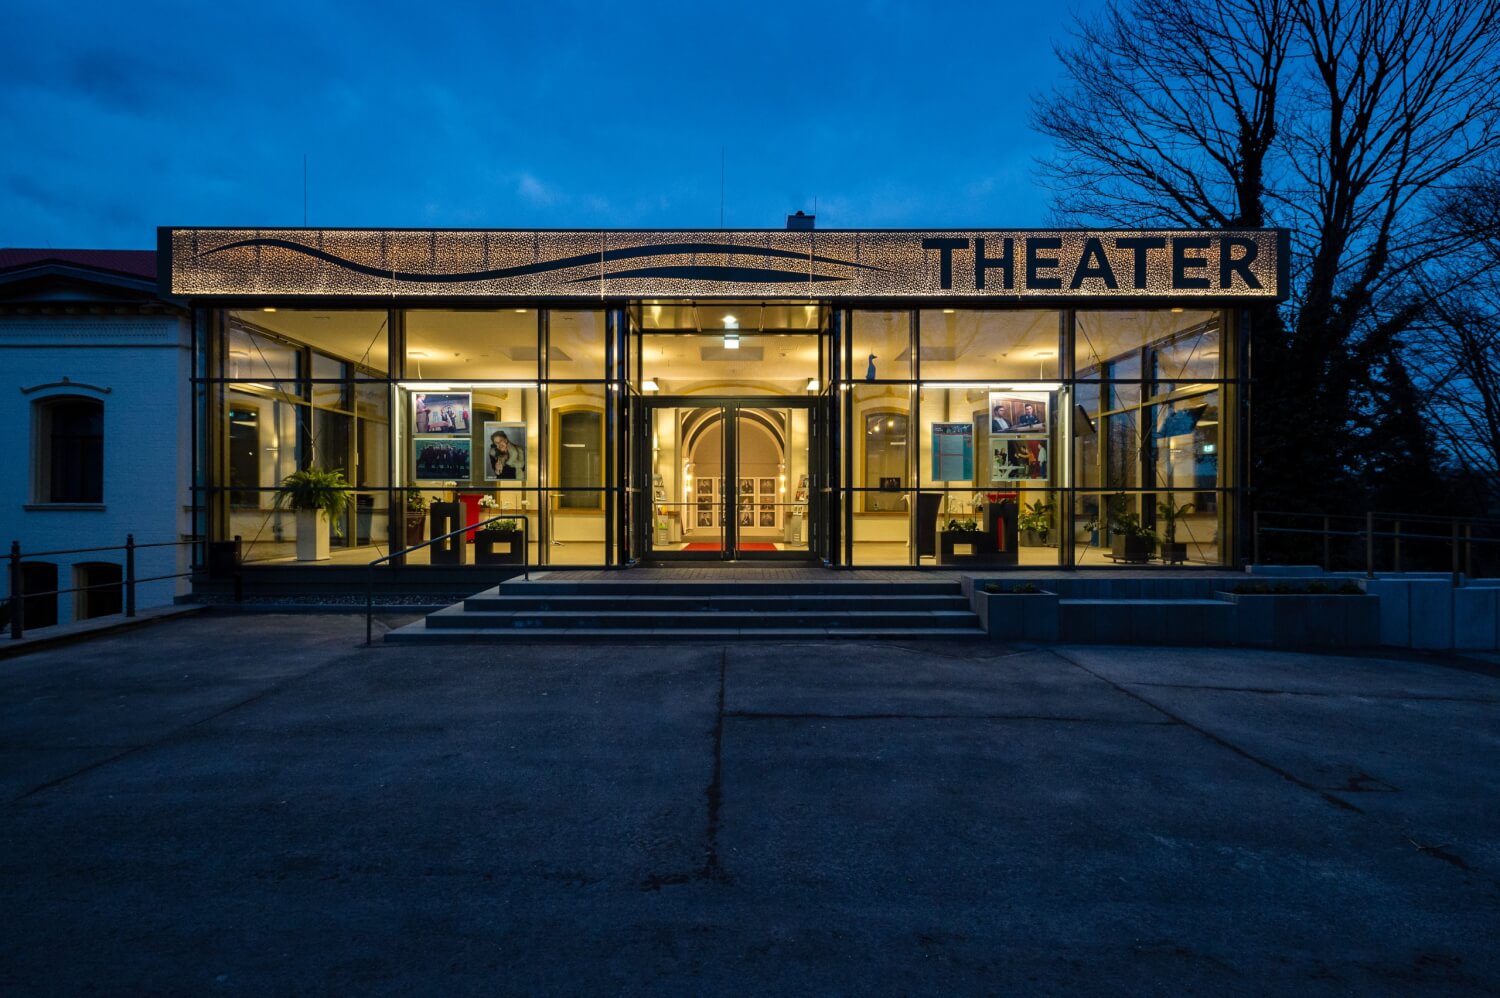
[[259, 805]]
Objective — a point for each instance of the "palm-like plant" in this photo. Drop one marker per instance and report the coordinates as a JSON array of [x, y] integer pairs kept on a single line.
[[316, 489]]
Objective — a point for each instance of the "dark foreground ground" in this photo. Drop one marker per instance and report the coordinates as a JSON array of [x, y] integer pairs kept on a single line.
[[257, 806]]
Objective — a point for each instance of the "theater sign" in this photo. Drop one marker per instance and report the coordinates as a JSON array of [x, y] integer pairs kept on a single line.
[[1000, 265]]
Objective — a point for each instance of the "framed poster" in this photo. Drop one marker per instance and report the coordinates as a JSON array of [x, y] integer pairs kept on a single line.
[[705, 486], [1019, 460], [504, 452], [441, 459], [441, 412], [747, 486], [767, 516], [1015, 413], [767, 486], [747, 516], [953, 452]]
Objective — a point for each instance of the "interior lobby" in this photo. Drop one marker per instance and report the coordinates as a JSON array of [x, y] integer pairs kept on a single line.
[[669, 431]]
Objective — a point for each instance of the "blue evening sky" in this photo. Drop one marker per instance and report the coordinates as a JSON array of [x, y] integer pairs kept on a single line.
[[118, 117]]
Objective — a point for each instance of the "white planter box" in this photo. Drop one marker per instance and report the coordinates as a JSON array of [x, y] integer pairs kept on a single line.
[[312, 535]]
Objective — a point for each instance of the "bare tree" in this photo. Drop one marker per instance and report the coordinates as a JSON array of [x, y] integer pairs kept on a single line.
[[1339, 119], [1457, 348]]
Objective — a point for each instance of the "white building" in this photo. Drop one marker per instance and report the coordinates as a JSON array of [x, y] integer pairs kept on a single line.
[[94, 388]]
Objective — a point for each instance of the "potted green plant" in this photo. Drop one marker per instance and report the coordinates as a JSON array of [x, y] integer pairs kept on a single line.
[[416, 518], [1130, 540], [502, 534], [1035, 522], [1172, 551], [319, 497]]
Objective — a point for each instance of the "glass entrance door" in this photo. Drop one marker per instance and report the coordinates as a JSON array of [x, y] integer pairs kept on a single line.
[[730, 479]]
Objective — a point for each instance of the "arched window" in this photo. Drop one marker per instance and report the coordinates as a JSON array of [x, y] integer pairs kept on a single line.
[[69, 454]]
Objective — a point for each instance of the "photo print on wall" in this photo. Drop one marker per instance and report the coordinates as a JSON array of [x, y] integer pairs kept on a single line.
[[441, 459], [440, 412], [504, 452], [1014, 414], [1019, 460]]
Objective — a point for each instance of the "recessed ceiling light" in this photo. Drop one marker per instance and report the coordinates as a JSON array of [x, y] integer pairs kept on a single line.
[[949, 311], [731, 341], [730, 322], [272, 309], [520, 311]]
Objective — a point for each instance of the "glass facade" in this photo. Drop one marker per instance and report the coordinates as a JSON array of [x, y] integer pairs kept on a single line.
[[650, 430]]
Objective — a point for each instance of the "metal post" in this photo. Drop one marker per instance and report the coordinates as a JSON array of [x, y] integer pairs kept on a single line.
[[239, 575], [1396, 547], [1255, 538], [1457, 575], [369, 601], [1369, 545], [130, 575], [15, 590]]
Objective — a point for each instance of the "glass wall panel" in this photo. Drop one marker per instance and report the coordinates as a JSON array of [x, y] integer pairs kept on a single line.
[[576, 452], [962, 344], [700, 364], [575, 345], [882, 480], [882, 344], [1102, 338], [494, 345], [360, 338]]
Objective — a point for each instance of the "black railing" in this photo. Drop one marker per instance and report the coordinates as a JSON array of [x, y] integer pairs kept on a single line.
[[1399, 541], [126, 585], [466, 528]]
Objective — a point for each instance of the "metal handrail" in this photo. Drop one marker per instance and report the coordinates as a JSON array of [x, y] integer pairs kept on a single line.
[[466, 528], [1459, 536], [128, 581]]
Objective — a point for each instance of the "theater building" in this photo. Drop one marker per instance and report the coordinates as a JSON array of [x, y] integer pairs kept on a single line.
[[835, 398]]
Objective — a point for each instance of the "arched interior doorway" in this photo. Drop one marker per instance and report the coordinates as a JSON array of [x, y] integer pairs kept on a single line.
[[730, 479]]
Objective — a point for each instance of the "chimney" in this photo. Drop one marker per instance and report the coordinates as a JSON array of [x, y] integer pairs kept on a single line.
[[801, 222]]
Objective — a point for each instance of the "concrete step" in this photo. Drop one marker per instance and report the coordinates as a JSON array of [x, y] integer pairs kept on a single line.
[[458, 617], [420, 633], [712, 601], [540, 586]]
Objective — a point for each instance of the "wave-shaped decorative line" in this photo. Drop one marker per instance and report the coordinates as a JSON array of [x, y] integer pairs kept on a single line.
[[708, 272], [582, 259]]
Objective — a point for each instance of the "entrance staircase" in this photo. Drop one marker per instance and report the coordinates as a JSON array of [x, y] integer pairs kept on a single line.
[[701, 610]]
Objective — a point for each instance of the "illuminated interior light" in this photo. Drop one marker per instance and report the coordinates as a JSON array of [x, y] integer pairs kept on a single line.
[[650, 385], [949, 311], [812, 384], [731, 341], [268, 309]]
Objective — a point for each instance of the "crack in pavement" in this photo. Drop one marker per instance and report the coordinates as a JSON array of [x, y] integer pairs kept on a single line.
[[1285, 774], [713, 797], [282, 684]]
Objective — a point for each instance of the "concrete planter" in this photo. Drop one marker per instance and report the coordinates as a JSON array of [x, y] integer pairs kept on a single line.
[[497, 547], [1017, 616], [312, 535], [416, 528], [1124, 547], [1293, 620]]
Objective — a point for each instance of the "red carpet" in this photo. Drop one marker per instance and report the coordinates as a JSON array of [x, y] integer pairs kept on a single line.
[[706, 546]]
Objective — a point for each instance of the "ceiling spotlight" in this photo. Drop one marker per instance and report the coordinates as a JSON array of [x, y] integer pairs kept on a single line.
[[268, 309], [812, 384], [949, 311], [650, 385], [520, 311], [731, 341], [730, 322]]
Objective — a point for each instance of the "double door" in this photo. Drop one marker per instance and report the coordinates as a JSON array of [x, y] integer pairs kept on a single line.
[[729, 479]]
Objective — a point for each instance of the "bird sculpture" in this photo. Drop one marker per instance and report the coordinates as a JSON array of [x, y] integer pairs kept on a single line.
[[870, 371]]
